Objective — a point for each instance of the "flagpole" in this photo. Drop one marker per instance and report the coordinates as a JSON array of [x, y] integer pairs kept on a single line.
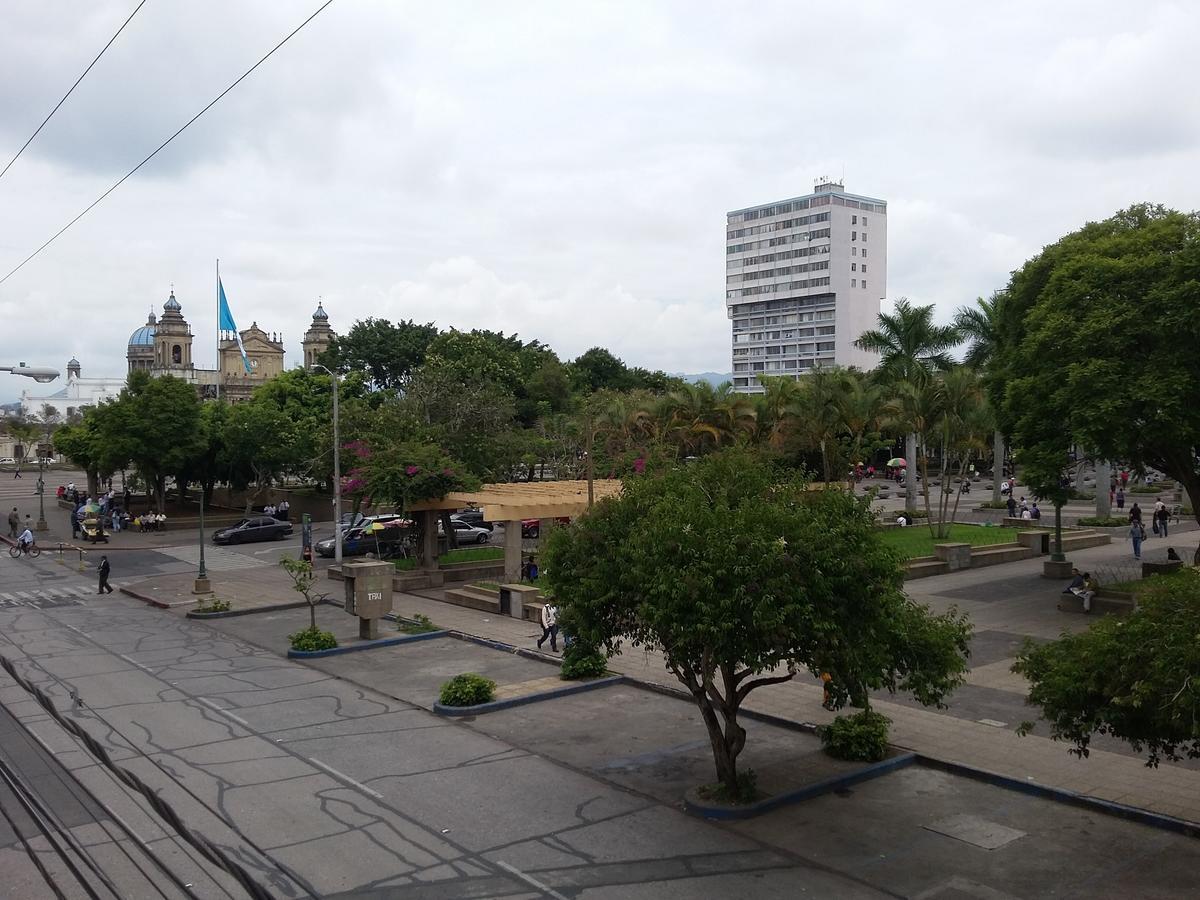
[[218, 328]]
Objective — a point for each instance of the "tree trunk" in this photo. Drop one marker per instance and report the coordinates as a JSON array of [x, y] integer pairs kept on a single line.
[[93, 483], [1079, 472], [1103, 477], [448, 528], [910, 482], [997, 464]]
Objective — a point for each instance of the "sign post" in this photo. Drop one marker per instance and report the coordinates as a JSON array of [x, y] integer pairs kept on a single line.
[[368, 593]]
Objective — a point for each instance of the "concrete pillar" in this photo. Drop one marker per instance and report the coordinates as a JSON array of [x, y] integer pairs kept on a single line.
[[512, 551], [1103, 478], [997, 464], [429, 539], [910, 482]]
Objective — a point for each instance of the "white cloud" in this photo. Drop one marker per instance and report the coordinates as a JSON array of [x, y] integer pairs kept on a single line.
[[560, 172]]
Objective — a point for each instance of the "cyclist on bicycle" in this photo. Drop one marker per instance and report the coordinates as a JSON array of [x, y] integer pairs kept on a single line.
[[25, 541]]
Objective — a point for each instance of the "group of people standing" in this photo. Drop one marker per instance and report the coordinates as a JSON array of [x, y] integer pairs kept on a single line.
[[1160, 520], [281, 511]]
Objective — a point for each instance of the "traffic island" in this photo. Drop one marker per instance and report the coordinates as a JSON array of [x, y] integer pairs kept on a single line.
[[366, 645], [522, 693]]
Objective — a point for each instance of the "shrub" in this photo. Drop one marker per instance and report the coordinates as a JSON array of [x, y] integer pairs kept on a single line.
[[467, 689], [1145, 489], [581, 660], [214, 606], [1104, 521], [416, 624], [311, 639], [862, 737], [747, 790], [991, 504]]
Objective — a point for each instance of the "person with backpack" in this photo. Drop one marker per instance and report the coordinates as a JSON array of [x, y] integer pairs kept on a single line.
[[549, 626]]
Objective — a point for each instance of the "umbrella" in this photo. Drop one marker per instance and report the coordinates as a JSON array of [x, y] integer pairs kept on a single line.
[[897, 462], [376, 527]]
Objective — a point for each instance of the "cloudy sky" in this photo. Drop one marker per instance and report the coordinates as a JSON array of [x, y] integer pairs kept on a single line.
[[557, 170]]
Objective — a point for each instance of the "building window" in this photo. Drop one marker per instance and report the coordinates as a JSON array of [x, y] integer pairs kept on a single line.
[[864, 237], [864, 221], [864, 251], [864, 284], [853, 282], [177, 354], [854, 235], [864, 268], [853, 267], [825, 346], [854, 251]]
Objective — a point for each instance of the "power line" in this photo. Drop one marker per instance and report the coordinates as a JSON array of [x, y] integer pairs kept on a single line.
[[161, 146], [75, 85]]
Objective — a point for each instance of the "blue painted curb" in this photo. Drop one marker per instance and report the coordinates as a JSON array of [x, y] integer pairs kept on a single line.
[[1062, 795], [229, 613], [698, 807], [566, 690], [366, 645]]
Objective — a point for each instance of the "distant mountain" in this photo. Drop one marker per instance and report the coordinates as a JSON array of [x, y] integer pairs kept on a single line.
[[713, 378]]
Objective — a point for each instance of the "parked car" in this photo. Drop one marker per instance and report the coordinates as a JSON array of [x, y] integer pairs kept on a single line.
[[473, 517], [8, 461], [255, 528], [531, 528], [388, 542], [465, 532]]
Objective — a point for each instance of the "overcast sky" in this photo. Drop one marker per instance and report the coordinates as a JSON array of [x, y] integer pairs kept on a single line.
[[557, 170]]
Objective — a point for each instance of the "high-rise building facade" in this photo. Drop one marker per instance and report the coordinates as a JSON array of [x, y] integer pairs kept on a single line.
[[803, 279]]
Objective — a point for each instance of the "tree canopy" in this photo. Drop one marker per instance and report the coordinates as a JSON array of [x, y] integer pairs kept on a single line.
[[742, 578]]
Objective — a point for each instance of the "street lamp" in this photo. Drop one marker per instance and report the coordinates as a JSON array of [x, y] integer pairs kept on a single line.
[[40, 374], [337, 474], [202, 585]]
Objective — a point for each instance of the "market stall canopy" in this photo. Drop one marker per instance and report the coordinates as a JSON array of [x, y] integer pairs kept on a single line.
[[526, 499]]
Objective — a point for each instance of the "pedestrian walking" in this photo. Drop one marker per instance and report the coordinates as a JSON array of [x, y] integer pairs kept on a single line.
[[1161, 515], [1135, 514], [17, 471], [14, 520], [549, 626], [1012, 507], [105, 568], [1120, 498], [1137, 534]]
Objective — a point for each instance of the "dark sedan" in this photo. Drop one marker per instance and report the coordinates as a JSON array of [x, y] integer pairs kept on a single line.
[[257, 528]]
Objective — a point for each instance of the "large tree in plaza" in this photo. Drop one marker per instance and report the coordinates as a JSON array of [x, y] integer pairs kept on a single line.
[[911, 349], [742, 578], [1099, 345]]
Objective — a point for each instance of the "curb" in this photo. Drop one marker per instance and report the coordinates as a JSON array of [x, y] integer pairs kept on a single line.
[[1062, 795], [697, 807], [158, 604], [229, 613], [509, 702], [366, 645]]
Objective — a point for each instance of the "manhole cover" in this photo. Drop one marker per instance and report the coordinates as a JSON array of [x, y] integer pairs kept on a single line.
[[976, 831]]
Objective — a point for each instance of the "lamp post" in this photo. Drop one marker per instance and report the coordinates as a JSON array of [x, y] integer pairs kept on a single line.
[[40, 374], [202, 585], [337, 473]]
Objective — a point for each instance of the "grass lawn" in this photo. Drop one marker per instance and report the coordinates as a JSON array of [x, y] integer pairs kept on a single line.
[[915, 540], [1129, 587], [461, 555]]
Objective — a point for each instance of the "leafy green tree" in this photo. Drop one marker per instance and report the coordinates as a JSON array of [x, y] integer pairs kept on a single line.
[[911, 349], [1077, 323], [388, 354], [1135, 678], [259, 441], [741, 578], [598, 370]]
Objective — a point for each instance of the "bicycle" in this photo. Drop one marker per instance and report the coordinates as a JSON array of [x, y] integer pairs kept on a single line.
[[33, 550]]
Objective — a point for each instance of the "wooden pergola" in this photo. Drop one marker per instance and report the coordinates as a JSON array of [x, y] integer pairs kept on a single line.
[[510, 504]]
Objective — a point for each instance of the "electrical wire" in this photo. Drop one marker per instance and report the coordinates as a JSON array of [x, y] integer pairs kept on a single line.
[[75, 85], [163, 145]]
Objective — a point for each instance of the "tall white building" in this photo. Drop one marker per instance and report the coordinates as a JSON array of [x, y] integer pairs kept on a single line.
[[803, 279]]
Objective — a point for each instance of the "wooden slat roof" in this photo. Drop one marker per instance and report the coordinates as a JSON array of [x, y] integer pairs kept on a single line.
[[526, 499]]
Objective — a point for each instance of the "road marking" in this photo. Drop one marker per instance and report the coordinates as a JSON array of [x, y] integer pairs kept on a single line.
[[992, 722], [340, 776], [223, 712], [132, 661], [530, 880]]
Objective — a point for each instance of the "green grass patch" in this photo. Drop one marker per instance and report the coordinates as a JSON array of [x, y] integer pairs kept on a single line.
[[415, 624], [1103, 521], [916, 540], [1145, 489], [1129, 587], [461, 555]]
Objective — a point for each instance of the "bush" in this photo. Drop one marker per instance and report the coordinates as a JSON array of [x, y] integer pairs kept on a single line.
[[747, 790], [416, 624], [467, 689], [989, 504], [311, 639], [1104, 521], [862, 737], [1145, 489], [214, 606], [582, 661]]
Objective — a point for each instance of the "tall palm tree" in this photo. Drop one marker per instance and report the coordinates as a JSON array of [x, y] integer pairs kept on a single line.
[[980, 326], [911, 349], [776, 410], [860, 405]]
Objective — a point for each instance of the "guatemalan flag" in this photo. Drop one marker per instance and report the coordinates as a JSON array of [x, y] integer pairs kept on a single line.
[[226, 323]]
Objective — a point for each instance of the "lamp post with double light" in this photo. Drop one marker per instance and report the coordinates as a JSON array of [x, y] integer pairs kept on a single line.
[[337, 472]]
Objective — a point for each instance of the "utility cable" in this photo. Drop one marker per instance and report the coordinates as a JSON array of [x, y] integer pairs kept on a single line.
[[75, 85], [163, 145]]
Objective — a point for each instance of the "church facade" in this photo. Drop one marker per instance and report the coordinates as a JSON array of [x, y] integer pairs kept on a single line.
[[163, 346]]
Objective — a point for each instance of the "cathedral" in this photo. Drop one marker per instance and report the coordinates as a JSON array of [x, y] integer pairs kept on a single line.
[[163, 346]]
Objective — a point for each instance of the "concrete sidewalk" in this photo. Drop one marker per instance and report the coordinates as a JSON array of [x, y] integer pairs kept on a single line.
[[1006, 603]]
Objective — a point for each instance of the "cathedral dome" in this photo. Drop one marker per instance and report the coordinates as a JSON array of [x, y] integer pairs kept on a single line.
[[320, 315], [172, 304], [143, 337]]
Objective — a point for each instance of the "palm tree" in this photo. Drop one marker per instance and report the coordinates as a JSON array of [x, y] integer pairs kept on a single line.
[[980, 325], [911, 349], [860, 404], [777, 410], [917, 408]]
